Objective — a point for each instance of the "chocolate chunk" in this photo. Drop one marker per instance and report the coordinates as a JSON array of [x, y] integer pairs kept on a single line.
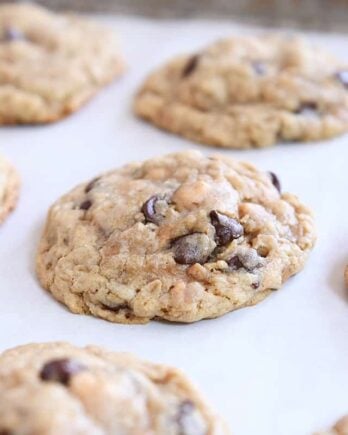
[[308, 109], [12, 34], [255, 285], [85, 205], [235, 263], [190, 66], [91, 184], [149, 210], [275, 181], [60, 370], [192, 248], [342, 77], [259, 68], [226, 228]]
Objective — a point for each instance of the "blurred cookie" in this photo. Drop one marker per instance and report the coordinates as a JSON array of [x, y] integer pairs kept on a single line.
[[56, 388], [181, 237], [340, 428], [9, 188], [247, 92], [50, 64]]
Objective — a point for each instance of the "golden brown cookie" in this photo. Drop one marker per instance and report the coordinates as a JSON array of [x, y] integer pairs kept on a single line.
[[247, 92], [181, 237], [57, 388], [51, 64]]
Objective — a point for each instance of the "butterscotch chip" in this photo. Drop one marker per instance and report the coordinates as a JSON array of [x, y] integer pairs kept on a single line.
[[247, 92], [51, 64]]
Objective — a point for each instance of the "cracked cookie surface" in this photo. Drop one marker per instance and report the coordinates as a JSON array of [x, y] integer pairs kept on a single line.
[[57, 388], [247, 92], [181, 237], [9, 188], [50, 64]]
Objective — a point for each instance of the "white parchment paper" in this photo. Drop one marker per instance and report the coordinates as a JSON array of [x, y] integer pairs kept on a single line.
[[279, 368]]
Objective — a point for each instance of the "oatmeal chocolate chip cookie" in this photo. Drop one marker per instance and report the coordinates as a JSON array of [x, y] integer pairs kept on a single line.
[[56, 388], [246, 92], [9, 188], [340, 428], [50, 64], [181, 237]]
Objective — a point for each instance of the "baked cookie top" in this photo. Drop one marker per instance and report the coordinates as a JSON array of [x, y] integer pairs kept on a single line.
[[56, 388], [9, 188], [246, 92], [180, 237], [50, 63]]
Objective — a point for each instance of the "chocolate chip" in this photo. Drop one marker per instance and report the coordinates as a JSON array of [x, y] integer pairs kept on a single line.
[[85, 205], [60, 370], [259, 68], [255, 285], [226, 228], [12, 34], [235, 263], [307, 109], [246, 258], [190, 66], [5, 432], [91, 184], [186, 409], [192, 248], [149, 210], [275, 181], [342, 77]]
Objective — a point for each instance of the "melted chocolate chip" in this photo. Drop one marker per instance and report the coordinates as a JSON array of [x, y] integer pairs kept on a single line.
[[60, 370], [342, 77], [186, 408], [275, 181], [309, 108], [226, 228], [192, 248], [91, 184], [85, 205], [190, 66], [12, 34], [149, 210], [235, 263]]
